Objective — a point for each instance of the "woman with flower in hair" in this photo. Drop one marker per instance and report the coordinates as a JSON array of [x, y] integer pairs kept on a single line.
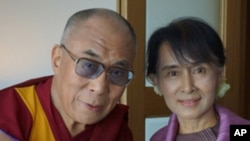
[[185, 63]]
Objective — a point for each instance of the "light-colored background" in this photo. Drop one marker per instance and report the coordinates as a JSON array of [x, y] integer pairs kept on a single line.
[[28, 31]]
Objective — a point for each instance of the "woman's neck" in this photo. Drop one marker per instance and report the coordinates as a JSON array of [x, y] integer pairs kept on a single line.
[[196, 125]]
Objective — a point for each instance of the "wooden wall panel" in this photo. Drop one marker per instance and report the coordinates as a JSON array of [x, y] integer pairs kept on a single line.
[[134, 11], [236, 58], [142, 100], [247, 62]]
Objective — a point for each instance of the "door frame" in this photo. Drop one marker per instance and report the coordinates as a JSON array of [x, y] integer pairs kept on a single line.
[[142, 100]]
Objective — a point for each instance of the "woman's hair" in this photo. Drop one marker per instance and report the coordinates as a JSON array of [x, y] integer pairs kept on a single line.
[[188, 38]]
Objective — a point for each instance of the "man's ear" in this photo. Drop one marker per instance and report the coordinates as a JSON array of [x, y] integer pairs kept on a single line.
[[56, 56]]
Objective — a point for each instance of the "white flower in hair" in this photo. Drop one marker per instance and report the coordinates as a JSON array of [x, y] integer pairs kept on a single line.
[[224, 87], [157, 91]]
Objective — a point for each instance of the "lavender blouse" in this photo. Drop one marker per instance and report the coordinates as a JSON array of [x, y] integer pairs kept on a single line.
[[227, 118]]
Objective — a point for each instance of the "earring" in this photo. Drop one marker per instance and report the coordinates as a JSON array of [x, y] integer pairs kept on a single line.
[[223, 88], [157, 91]]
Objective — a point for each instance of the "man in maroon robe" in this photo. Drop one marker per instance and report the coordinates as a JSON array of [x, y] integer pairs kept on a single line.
[[92, 67]]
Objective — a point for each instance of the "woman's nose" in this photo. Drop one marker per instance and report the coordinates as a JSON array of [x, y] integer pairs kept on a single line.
[[188, 84]]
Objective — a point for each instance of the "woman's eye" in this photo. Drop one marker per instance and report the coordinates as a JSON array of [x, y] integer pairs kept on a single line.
[[172, 73], [169, 74], [199, 70]]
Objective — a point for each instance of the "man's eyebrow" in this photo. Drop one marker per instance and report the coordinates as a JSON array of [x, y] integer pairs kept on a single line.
[[123, 63], [91, 53]]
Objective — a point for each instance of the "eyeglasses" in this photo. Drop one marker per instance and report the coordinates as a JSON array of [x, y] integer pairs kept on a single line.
[[91, 69]]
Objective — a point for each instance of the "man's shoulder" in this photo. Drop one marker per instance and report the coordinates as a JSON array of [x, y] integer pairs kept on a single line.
[[10, 94], [122, 107], [33, 81]]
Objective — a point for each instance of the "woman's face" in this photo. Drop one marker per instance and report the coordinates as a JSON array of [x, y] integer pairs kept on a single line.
[[189, 90]]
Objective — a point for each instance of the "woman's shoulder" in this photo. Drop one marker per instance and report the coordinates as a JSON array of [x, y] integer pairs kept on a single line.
[[167, 132], [227, 115], [160, 134]]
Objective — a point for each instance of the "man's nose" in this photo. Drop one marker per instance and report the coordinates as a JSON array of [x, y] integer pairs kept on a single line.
[[99, 85]]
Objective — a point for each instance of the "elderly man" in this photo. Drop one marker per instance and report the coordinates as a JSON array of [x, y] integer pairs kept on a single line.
[[92, 66]]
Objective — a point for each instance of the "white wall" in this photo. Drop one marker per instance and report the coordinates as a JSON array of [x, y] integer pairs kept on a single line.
[[28, 31], [153, 125]]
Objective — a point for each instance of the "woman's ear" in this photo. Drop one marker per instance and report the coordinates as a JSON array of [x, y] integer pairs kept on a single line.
[[56, 55], [221, 75], [223, 87], [152, 78]]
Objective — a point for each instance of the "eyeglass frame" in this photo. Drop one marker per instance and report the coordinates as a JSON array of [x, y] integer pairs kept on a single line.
[[77, 60]]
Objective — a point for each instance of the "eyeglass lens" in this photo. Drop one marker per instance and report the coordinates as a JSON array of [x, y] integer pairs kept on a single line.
[[91, 69]]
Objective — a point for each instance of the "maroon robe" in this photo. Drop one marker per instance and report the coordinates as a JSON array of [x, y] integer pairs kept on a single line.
[[17, 122]]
